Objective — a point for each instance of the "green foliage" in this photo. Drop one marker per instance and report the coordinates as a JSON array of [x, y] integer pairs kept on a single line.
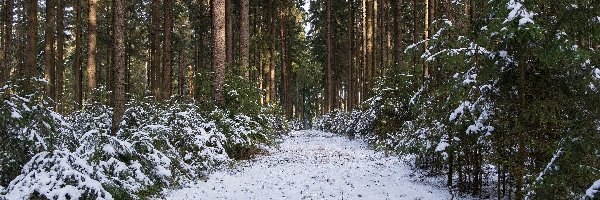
[[28, 126], [465, 120], [241, 96], [157, 146]]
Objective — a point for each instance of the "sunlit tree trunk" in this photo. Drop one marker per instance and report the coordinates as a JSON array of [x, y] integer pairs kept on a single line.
[[91, 60], [219, 48]]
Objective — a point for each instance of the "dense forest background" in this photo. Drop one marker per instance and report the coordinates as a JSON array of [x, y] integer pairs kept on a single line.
[[500, 97]]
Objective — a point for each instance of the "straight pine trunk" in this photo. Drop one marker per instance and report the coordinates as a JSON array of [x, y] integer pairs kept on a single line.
[[49, 50], [229, 32], [118, 64], [7, 44], [167, 52], [77, 72], [60, 53], [245, 38], [330, 92], [91, 61], [219, 48]]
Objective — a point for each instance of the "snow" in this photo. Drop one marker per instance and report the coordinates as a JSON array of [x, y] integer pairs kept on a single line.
[[15, 115], [460, 110], [591, 192], [518, 10], [56, 175], [109, 149], [442, 146], [314, 165]]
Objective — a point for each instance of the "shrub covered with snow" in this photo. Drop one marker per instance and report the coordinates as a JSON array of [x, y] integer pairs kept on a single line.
[[156, 146], [28, 127], [57, 175]]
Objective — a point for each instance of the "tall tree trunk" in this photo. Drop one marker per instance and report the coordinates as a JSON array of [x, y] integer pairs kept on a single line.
[[7, 46], [32, 40], [521, 153], [330, 92], [261, 75], [284, 69], [245, 38], [218, 51], [398, 47], [415, 38], [119, 64], [167, 54], [271, 98], [370, 52], [60, 52], [49, 50], [349, 73], [448, 11], [229, 32], [376, 46], [181, 75], [77, 72], [426, 43], [91, 61], [384, 39], [365, 53], [156, 55]]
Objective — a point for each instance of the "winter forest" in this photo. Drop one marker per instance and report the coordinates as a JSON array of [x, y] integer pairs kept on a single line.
[[299, 99]]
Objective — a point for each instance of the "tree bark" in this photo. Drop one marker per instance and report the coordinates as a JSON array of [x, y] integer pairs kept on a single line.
[[376, 46], [218, 51], [245, 38], [60, 52], [330, 91], [155, 72], [119, 64], [91, 62], [521, 153], [426, 43], [7, 46], [398, 47], [365, 53], [349, 73], [49, 50], [167, 54], [30, 64], [181, 75], [383, 35], [271, 73], [370, 51], [229, 32], [77, 72]]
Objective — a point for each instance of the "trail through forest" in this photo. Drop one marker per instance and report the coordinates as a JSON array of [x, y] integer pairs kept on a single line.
[[315, 165]]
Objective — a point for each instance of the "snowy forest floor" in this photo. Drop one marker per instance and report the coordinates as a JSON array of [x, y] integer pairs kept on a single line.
[[315, 165]]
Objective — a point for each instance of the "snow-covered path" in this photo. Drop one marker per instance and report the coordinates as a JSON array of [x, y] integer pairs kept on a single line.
[[315, 165]]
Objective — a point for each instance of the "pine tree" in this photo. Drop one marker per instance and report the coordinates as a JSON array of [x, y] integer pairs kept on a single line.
[[118, 65], [219, 48], [91, 57]]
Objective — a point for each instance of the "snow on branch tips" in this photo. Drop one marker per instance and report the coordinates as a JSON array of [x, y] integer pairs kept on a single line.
[[518, 10]]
